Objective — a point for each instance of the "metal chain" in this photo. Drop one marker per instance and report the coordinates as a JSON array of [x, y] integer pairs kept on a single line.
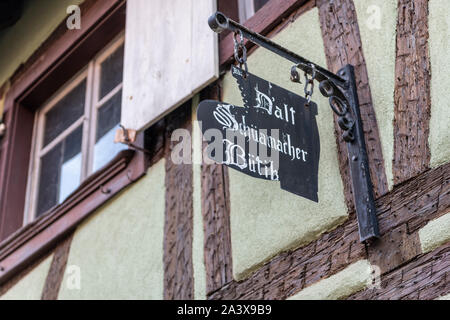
[[242, 60], [309, 85]]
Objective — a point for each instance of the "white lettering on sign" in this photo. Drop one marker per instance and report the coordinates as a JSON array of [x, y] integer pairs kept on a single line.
[[264, 102], [274, 136], [225, 118]]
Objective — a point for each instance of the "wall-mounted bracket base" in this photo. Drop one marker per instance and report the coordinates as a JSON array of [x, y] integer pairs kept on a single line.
[[358, 163]]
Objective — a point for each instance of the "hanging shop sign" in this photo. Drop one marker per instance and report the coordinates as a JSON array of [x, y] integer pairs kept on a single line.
[[274, 135]]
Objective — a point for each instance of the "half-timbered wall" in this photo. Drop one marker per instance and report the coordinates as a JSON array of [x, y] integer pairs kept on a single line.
[[202, 231]]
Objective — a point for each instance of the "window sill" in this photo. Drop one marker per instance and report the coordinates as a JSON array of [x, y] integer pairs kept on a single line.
[[41, 235]]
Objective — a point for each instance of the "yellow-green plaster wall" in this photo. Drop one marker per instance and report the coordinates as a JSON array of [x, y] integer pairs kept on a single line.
[[198, 259], [353, 278], [435, 233], [119, 249], [30, 287], [439, 45], [38, 21], [265, 219], [446, 297], [377, 25]]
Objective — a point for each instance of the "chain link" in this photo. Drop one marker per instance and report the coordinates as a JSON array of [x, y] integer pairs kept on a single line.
[[309, 85], [240, 46]]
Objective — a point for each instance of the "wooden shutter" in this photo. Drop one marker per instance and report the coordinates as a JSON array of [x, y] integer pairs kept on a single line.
[[170, 54]]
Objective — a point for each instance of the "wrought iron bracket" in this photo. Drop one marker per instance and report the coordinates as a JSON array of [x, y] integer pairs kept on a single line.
[[341, 91]]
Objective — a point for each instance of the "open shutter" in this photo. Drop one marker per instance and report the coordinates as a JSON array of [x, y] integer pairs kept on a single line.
[[170, 54]]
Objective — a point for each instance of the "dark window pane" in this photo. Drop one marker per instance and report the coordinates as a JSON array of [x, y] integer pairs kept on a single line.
[[108, 119], [259, 4], [108, 115], [111, 72], [68, 110], [48, 180], [71, 166], [60, 172]]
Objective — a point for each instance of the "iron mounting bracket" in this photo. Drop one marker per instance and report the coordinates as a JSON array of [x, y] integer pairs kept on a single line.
[[340, 89]]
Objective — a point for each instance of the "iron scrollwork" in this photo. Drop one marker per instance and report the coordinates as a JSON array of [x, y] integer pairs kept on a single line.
[[336, 97]]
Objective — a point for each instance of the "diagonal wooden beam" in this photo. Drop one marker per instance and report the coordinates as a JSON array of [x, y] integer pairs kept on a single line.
[[425, 278], [343, 46], [55, 275]]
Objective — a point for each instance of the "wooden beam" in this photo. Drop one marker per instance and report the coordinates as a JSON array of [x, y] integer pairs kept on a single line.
[[425, 278], [14, 162], [178, 226], [289, 272], [55, 275], [412, 204], [216, 217], [343, 46], [412, 91]]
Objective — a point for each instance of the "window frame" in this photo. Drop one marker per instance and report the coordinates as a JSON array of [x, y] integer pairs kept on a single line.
[[91, 73], [97, 103], [57, 60], [246, 9], [38, 150]]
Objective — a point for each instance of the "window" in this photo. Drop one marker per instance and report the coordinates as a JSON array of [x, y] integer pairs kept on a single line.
[[247, 8], [74, 131]]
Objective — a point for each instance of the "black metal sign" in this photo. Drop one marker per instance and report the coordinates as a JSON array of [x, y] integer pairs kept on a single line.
[[274, 136]]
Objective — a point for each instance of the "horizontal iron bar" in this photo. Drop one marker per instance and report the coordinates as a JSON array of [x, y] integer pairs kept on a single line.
[[218, 22]]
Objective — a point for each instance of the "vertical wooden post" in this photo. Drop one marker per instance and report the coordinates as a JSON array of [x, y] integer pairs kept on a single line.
[[178, 234], [412, 91], [216, 217]]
